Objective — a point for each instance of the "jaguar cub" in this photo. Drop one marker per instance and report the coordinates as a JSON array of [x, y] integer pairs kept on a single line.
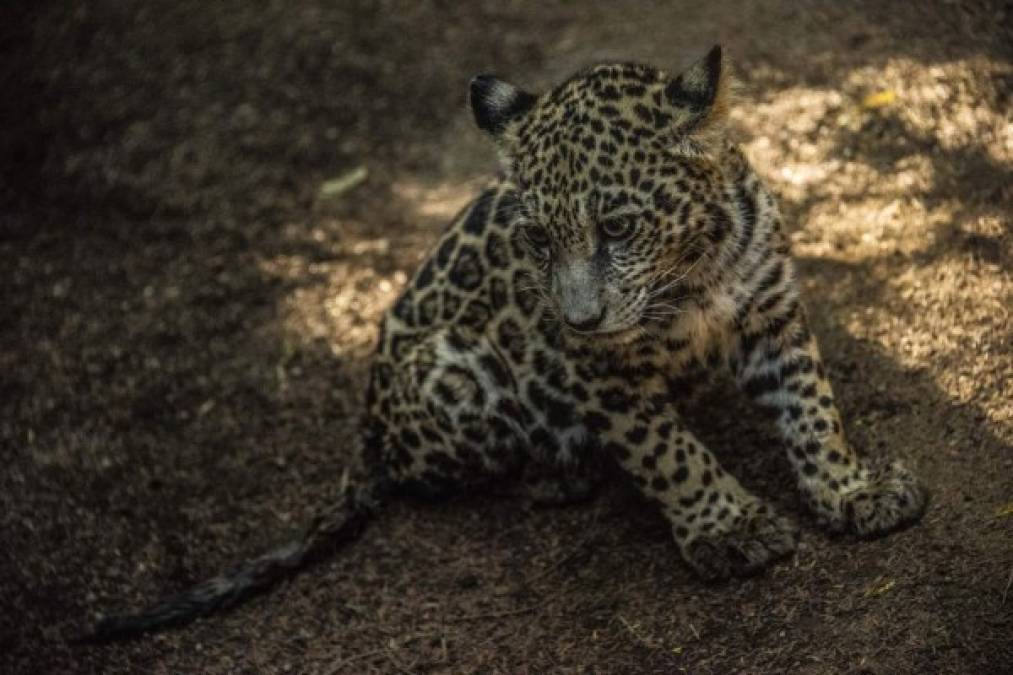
[[627, 245]]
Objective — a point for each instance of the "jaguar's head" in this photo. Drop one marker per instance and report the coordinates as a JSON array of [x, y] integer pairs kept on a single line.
[[614, 169]]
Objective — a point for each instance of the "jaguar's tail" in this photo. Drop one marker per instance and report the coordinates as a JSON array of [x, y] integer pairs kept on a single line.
[[336, 524]]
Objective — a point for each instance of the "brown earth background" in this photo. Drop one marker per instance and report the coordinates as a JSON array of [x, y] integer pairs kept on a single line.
[[186, 318]]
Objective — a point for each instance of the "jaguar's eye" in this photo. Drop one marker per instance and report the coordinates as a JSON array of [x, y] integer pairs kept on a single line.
[[618, 227], [537, 235]]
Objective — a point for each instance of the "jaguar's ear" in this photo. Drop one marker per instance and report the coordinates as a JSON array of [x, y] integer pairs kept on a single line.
[[699, 100], [496, 104]]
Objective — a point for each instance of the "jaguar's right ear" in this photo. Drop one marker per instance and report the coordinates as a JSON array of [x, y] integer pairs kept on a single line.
[[496, 104]]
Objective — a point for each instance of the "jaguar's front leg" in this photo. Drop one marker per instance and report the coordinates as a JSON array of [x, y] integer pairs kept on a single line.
[[721, 529], [778, 364]]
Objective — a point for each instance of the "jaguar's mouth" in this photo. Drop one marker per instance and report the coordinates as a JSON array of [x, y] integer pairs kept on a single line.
[[615, 327], [611, 337], [625, 336]]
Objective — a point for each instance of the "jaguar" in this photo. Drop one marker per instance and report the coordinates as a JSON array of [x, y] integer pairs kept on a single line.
[[627, 250]]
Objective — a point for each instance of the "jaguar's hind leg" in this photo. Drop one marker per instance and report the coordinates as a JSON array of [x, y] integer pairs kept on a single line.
[[446, 416]]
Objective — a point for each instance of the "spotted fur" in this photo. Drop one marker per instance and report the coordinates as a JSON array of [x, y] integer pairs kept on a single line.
[[628, 248]]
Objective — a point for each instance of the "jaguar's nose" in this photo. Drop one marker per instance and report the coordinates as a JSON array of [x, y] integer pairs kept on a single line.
[[576, 284], [584, 325]]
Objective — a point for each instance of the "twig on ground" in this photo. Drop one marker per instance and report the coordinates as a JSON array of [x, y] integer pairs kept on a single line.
[[356, 657], [386, 650]]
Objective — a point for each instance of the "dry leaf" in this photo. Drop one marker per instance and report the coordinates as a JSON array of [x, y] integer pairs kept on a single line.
[[879, 99]]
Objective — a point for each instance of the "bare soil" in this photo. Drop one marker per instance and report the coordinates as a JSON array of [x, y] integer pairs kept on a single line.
[[186, 320]]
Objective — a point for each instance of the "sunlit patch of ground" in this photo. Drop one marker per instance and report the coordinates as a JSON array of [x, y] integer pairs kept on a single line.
[[348, 294], [906, 170], [343, 307], [440, 201]]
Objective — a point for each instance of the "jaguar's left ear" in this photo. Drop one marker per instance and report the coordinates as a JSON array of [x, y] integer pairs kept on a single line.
[[699, 100], [497, 105]]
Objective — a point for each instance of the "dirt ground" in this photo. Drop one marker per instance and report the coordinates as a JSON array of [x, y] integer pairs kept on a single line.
[[186, 318]]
